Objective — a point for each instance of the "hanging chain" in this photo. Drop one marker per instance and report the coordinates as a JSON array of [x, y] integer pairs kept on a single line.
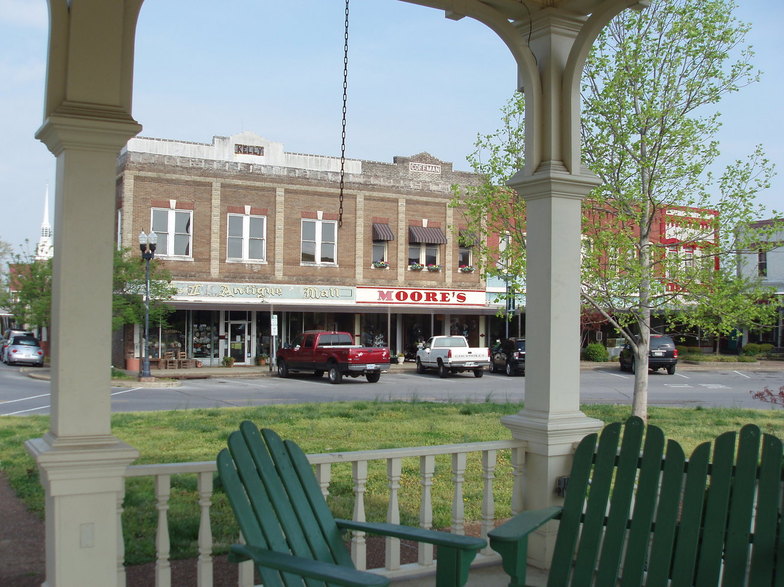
[[343, 121]]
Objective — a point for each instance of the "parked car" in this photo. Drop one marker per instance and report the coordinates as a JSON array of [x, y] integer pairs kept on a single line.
[[24, 349], [661, 355], [7, 335], [334, 353], [508, 356], [451, 354]]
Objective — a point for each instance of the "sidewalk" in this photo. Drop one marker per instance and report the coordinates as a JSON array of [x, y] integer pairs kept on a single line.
[[173, 377]]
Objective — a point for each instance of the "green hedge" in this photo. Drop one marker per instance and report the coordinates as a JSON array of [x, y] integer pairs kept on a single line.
[[596, 352]]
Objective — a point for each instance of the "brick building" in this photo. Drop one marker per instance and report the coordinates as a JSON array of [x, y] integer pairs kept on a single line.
[[253, 238]]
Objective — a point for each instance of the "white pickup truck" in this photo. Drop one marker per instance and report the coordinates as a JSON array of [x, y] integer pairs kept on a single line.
[[451, 354]]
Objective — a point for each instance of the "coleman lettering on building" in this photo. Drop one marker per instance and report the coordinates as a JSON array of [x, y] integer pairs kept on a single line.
[[423, 168], [249, 150]]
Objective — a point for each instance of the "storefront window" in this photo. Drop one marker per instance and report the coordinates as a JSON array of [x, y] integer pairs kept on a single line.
[[204, 334], [374, 330]]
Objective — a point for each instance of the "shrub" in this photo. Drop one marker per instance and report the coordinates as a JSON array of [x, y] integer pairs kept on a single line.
[[228, 361], [752, 349], [766, 348], [596, 352]]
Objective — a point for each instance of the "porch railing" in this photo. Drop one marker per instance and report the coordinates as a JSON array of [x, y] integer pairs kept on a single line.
[[485, 453]]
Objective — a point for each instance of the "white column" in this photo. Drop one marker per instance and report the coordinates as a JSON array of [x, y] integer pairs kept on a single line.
[[86, 122]]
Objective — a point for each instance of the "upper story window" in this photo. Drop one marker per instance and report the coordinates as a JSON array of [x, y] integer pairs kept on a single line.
[[319, 242], [424, 245], [246, 237], [465, 249], [173, 228], [762, 263], [382, 234]]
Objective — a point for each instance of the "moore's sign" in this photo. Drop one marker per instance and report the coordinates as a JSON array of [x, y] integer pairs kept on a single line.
[[420, 296]]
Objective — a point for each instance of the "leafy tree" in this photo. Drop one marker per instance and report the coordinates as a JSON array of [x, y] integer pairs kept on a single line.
[[129, 290], [31, 290], [659, 232]]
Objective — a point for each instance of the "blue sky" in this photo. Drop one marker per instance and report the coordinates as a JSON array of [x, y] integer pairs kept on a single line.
[[417, 82]]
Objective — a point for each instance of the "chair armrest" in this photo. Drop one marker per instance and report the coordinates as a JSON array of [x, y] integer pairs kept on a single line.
[[435, 537], [510, 540], [304, 567], [523, 524]]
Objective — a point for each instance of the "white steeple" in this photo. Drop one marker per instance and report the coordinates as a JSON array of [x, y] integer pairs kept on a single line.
[[44, 249]]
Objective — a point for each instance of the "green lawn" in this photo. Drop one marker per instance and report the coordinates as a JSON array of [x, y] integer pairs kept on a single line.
[[198, 435]]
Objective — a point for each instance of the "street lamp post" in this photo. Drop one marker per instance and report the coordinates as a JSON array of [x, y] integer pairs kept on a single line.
[[147, 244]]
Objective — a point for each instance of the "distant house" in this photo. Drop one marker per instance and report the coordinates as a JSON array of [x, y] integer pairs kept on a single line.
[[766, 262]]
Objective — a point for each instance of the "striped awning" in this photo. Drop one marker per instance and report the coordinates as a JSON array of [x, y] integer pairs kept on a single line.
[[428, 235], [382, 232]]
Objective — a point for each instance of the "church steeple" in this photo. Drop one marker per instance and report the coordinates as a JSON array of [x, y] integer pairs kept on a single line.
[[44, 249]]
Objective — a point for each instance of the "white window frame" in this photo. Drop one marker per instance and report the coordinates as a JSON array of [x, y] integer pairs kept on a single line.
[[166, 239], [319, 242], [385, 246], [423, 249], [246, 238], [470, 250]]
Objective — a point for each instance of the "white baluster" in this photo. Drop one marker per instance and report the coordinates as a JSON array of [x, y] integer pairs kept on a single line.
[[358, 544], [324, 476], [458, 476], [120, 540], [518, 465], [204, 564], [427, 466], [245, 570], [392, 545], [489, 460], [162, 543]]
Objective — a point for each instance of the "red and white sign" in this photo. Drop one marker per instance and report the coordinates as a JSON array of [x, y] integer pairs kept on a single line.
[[420, 297]]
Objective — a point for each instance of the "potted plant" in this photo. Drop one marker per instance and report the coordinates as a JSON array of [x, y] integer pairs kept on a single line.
[[433, 267], [415, 267], [228, 361], [262, 359], [466, 268], [380, 265]]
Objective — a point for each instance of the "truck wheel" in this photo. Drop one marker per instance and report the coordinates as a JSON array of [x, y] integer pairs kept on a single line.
[[670, 369], [509, 370], [420, 367], [479, 372], [442, 370], [334, 374], [283, 369], [373, 376]]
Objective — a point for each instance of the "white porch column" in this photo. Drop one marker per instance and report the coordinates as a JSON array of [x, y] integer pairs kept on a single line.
[[86, 122]]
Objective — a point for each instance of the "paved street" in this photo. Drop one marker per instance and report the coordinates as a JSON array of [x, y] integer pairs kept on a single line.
[[691, 386]]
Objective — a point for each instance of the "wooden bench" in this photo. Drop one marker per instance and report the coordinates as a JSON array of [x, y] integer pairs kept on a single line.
[[288, 529], [636, 512]]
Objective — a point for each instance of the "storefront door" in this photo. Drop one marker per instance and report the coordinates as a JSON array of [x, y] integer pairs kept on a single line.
[[238, 340]]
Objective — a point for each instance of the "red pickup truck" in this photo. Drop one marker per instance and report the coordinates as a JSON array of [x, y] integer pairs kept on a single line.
[[333, 352]]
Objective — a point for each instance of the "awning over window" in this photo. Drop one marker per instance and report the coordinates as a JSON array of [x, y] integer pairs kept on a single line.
[[422, 234], [382, 232]]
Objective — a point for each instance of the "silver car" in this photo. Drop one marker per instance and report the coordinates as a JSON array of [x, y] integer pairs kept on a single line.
[[25, 350]]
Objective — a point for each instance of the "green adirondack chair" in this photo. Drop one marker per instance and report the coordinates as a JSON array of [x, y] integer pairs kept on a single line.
[[290, 533], [636, 512]]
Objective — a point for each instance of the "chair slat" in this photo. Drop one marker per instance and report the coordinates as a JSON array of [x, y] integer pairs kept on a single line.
[[666, 520], [689, 531], [623, 486], [645, 505], [571, 515], [741, 507], [766, 555], [596, 506], [716, 507]]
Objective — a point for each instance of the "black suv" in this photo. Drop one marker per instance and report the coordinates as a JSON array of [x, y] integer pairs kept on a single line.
[[661, 355], [508, 356]]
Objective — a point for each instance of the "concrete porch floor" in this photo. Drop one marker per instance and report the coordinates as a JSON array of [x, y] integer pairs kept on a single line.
[[484, 576]]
